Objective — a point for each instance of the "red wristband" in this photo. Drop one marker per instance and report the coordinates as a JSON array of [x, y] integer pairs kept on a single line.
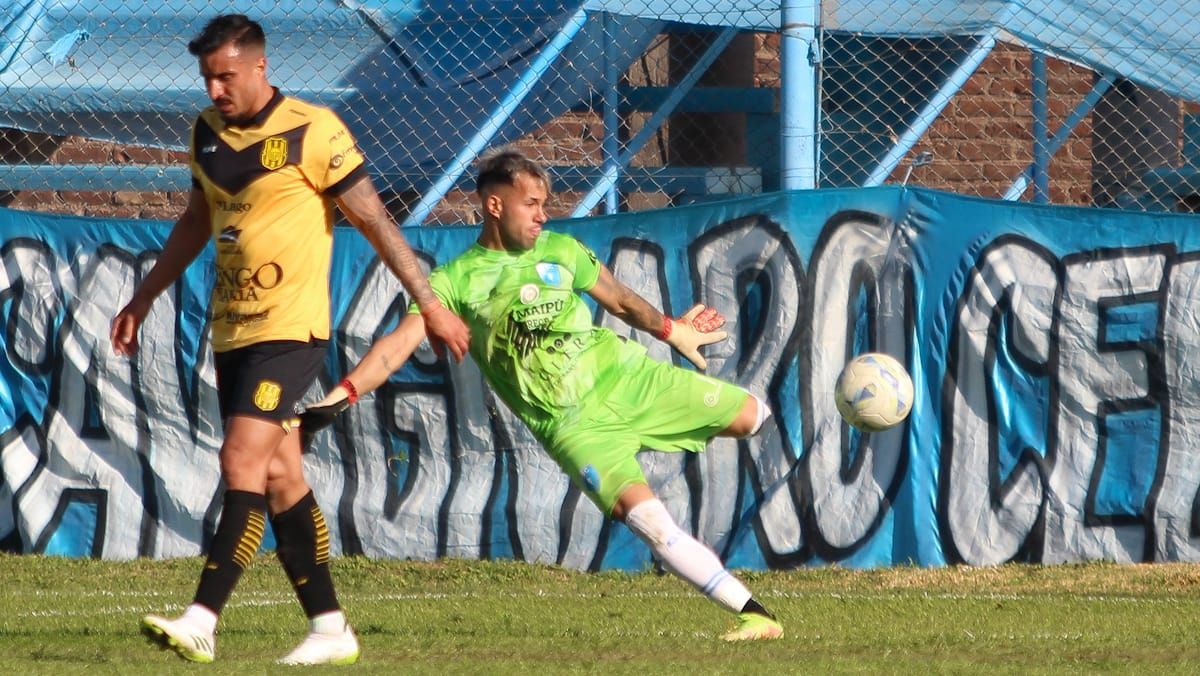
[[665, 332], [352, 391]]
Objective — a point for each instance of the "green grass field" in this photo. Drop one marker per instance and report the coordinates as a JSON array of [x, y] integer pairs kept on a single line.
[[457, 617]]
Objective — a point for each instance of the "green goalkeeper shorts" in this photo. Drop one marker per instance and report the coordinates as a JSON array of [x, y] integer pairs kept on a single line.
[[648, 405]]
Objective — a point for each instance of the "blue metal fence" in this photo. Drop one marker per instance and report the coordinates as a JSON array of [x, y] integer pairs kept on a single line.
[[635, 104]]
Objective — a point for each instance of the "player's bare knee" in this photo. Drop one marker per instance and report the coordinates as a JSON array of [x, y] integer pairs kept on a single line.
[[243, 467], [751, 418], [282, 475]]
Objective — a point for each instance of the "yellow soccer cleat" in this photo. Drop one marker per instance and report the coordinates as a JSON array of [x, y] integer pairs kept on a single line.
[[754, 627]]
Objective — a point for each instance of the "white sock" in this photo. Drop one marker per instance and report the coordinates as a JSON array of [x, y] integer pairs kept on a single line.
[[685, 556], [333, 622], [200, 617], [764, 412]]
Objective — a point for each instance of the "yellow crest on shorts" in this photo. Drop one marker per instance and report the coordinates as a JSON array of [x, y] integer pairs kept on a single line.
[[266, 397], [274, 152]]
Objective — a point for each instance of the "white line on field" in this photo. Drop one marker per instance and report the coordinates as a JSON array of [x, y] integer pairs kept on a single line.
[[261, 599]]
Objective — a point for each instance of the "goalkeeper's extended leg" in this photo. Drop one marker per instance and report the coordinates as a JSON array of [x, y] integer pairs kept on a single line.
[[749, 420], [688, 558]]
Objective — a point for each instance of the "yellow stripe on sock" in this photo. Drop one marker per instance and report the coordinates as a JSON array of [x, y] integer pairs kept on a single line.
[[250, 540], [322, 543]]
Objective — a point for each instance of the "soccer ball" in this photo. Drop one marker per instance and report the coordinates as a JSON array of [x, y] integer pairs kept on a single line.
[[874, 392]]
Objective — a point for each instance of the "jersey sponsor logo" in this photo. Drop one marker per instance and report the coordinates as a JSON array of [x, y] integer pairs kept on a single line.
[[340, 158], [550, 273], [590, 254], [245, 318], [266, 395], [233, 207], [229, 235], [539, 316], [713, 398], [209, 149], [530, 293], [274, 152], [591, 478], [243, 284]]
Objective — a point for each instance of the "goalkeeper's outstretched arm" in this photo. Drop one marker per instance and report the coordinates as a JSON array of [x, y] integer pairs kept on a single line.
[[385, 357], [698, 326]]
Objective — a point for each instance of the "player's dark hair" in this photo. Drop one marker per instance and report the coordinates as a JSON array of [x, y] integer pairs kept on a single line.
[[238, 29], [501, 167]]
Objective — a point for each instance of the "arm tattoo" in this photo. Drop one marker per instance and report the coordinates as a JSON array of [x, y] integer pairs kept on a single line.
[[362, 206]]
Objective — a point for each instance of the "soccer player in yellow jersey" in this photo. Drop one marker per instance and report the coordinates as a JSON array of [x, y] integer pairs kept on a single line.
[[592, 399], [266, 170]]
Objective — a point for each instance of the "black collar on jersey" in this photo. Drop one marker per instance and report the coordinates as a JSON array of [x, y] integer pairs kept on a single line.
[[261, 116]]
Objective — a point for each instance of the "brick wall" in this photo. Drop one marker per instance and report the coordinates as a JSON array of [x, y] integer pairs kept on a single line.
[[18, 146], [983, 139]]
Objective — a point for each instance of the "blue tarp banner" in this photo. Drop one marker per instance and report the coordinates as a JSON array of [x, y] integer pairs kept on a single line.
[[1055, 420]]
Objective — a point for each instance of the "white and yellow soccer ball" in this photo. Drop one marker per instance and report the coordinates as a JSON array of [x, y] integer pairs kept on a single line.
[[874, 392]]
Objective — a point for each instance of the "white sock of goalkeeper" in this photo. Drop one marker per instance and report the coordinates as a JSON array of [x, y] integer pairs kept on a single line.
[[764, 412], [685, 556]]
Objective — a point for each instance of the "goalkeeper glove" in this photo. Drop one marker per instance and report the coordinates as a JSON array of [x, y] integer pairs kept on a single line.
[[321, 415], [698, 326]]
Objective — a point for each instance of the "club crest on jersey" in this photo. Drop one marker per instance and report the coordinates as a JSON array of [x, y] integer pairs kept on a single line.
[[274, 152], [266, 396], [529, 293], [550, 273]]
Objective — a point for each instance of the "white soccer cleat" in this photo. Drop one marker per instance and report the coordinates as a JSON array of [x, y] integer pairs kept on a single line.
[[188, 641], [316, 648]]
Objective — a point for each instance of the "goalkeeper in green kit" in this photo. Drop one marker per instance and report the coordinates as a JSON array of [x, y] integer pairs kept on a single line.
[[593, 399]]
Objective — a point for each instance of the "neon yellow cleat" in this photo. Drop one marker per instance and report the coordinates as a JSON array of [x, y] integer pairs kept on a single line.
[[188, 642], [754, 627]]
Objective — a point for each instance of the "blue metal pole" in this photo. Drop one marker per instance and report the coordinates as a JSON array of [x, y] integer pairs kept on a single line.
[[611, 146], [609, 177], [799, 87], [930, 112], [1041, 129], [508, 105], [1081, 111]]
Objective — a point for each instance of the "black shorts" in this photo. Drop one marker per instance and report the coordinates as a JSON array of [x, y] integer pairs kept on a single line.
[[268, 379]]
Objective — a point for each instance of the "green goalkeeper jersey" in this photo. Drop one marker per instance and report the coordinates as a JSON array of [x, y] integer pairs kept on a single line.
[[531, 333]]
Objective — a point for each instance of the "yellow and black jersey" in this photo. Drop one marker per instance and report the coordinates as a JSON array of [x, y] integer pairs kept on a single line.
[[269, 184]]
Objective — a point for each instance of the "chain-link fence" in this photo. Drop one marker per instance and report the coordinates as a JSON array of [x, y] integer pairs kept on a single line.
[[632, 105]]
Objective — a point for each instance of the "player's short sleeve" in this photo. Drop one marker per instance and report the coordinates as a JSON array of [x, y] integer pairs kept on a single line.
[[443, 288], [193, 166], [587, 266], [332, 160]]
